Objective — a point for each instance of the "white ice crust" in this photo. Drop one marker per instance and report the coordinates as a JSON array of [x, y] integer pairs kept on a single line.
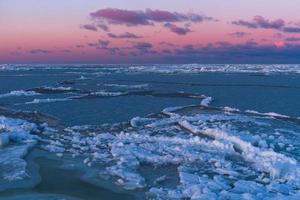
[[218, 155]]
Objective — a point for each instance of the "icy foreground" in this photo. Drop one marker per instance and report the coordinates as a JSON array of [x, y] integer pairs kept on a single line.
[[208, 153]]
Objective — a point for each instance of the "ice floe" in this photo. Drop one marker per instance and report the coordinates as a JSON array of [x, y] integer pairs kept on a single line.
[[138, 86], [48, 100], [270, 114]]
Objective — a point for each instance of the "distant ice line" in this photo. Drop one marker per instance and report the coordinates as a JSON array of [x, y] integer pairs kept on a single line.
[[167, 68]]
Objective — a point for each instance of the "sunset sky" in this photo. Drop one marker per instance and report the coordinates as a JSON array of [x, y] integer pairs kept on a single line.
[[156, 31]]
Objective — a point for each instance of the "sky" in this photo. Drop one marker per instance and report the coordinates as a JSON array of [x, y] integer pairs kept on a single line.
[[152, 31]]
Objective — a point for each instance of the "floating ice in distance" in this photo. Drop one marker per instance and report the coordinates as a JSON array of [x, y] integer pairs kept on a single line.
[[19, 93], [107, 94], [138, 86], [60, 88], [270, 114], [48, 100], [229, 109], [167, 68]]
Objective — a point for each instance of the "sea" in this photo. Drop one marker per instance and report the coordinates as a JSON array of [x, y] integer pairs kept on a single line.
[[155, 131]]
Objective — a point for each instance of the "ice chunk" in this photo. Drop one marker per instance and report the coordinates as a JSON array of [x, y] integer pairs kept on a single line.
[[270, 114], [242, 186], [206, 101], [229, 109]]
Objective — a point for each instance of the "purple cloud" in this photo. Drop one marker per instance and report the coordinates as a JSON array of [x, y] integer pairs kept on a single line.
[[166, 51], [40, 51], [162, 16], [89, 27], [103, 27], [293, 39], [268, 24], [147, 17], [119, 16], [90, 44], [261, 22], [142, 48], [143, 45], [291, 29], [79, 46], [245, 23], [168, 44], [66, 51], [103, 43], [125, 35], [178, 30], [238, 34]]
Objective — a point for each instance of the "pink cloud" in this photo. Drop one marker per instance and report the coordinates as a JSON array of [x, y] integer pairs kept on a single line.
[[147, 17]]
